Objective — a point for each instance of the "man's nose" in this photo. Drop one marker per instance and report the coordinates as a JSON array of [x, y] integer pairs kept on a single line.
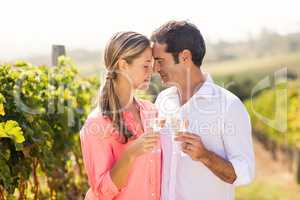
[[156, 68]]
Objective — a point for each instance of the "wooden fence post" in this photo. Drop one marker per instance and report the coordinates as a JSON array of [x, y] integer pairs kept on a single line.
[[57, 50], [298, 167]]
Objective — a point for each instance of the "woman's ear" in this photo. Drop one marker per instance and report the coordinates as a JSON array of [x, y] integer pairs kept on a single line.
[[122, 64]]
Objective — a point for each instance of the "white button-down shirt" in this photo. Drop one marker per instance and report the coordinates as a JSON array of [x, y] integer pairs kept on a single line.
[[223, 124]]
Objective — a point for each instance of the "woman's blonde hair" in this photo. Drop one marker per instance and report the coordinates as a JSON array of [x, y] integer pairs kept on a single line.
[[127, 46]]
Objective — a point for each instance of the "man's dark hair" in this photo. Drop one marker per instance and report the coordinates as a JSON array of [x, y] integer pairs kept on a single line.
[[181, 35]]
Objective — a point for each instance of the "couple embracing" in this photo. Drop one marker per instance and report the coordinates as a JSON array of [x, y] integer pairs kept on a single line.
[[126, 160]]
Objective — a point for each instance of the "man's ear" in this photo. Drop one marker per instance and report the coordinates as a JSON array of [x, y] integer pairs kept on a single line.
[[185, 56], [122, 64]]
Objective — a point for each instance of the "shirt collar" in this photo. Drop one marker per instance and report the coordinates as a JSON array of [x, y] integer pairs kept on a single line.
[[139, 104], [207, 90]]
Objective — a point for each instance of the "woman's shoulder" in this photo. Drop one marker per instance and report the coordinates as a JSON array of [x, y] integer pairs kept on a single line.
[[97, 125], [96, 116]]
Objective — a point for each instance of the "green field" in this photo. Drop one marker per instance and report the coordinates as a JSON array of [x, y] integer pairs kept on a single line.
[[254, 67]]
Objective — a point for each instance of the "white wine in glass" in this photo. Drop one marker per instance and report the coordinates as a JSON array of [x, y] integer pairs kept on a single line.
[[178, 125], [155, 126]]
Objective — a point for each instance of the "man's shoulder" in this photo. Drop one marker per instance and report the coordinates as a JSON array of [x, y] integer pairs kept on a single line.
[[228, 94], [228, 97], [166, 92]]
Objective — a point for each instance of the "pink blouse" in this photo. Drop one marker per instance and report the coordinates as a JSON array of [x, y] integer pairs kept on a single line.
[[101, 148]]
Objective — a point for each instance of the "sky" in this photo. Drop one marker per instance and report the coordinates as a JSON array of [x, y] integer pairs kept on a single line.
[[30, 27]]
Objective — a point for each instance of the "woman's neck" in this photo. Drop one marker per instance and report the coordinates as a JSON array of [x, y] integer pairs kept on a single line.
[[125, 93]]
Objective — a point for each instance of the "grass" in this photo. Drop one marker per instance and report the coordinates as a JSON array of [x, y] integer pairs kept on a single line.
[[265, 191]]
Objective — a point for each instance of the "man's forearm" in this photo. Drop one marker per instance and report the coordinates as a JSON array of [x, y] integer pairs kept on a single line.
[[219, 166]]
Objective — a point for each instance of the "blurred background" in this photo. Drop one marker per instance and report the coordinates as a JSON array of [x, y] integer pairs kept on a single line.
[[253, 49]]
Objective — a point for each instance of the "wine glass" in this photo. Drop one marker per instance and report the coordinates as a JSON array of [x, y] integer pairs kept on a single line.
[[178, 125], [155, 125]]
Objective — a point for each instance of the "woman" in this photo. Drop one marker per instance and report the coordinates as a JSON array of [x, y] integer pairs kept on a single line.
[[118, 151]]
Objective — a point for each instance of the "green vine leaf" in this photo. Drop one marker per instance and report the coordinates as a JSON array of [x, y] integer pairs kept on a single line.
[[12, 130], [2, 100]]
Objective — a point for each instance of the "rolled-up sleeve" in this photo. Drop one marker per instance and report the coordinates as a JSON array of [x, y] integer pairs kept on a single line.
[[238, 142], [98, 159]]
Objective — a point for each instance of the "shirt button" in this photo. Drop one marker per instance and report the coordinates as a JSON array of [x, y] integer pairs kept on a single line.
[[151, 181], [151, 160], [152, 194]]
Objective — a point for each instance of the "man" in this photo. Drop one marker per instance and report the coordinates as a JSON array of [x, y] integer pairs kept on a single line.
[[216, 149]]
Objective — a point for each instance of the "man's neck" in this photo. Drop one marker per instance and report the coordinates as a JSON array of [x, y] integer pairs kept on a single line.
[[190, 85]]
